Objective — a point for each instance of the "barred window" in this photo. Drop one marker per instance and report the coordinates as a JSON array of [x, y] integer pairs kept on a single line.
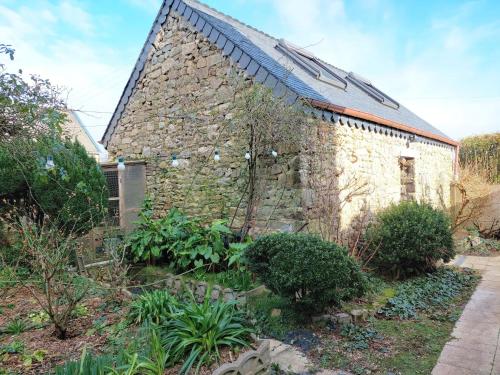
[[114, 197]]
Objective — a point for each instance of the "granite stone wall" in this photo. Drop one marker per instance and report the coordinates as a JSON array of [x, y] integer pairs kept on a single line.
[[177, 285], [182, 105], [370, 163]]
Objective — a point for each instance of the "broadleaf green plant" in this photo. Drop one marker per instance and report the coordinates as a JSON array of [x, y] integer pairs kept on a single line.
[[183, 241]]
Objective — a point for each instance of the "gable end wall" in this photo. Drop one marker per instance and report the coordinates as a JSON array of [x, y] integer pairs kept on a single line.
[[186, 77], [181, 105]]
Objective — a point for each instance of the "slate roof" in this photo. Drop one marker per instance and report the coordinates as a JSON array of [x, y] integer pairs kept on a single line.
[[255, 51]]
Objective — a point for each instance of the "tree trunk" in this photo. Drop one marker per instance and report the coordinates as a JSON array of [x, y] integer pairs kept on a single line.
[[60, 332]]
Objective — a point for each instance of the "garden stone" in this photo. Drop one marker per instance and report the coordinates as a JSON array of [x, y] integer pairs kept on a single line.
[[260, 290], [275, 313], [359, 315], [288, 358], [169, 282], [201, 291], [215, 293], [342, 318], [229, 295], [177, 287], [241, 298]]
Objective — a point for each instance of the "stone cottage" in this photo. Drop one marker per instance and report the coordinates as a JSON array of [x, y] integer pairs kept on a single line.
[[168, 123]]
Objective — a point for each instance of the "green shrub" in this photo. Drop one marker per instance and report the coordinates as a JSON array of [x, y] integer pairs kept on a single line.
[[308, 271], [73, 193], [202, 247], [409, 238], [197, 332], [152, 306]]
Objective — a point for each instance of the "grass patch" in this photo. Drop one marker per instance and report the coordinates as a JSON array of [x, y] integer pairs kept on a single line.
[[272, 316], [416, 345], [409, 331]]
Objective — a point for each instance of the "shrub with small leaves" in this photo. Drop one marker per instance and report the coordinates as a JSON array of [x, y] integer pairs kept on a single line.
[[409, 239], [310, 272]]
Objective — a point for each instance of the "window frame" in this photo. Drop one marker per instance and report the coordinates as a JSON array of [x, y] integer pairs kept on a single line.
[[371, 90], [307, 61]]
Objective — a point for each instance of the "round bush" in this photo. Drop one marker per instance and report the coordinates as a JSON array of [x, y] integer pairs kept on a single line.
[[312, 273], [409, 238]]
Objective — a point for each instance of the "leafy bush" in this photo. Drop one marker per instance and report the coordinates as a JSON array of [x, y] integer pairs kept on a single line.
[[427, 292], [73, 193], [182, 240], [308, 271], [410, 238], [198, 331], [152, 306], [203, 246], [149, 239]]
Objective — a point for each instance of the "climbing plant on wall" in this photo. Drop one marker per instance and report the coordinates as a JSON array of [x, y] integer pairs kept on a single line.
[[269, 128]]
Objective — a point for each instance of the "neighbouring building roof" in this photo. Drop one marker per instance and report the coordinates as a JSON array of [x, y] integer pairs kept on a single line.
[[74, 129], [291, 72]]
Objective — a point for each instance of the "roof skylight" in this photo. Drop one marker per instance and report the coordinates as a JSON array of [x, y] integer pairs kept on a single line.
[[311, 64], [371, 90]]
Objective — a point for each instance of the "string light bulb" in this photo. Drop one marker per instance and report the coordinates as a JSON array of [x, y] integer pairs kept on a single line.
[[175, 162], [49, 164], [216, 156], [121, 163], [247, 155]]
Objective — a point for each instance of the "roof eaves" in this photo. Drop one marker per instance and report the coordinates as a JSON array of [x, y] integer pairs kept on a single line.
[[379, 120]]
